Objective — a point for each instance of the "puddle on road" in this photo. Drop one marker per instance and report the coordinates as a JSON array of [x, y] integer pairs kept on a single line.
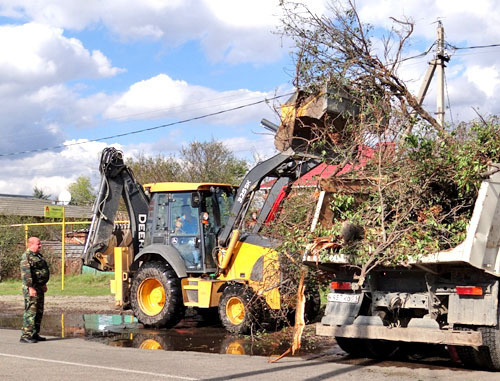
[[191, 334], [195, 334]]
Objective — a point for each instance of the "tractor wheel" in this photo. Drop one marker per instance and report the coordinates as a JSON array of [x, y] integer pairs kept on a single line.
[[150, 342], [156, 296], [235, 309]]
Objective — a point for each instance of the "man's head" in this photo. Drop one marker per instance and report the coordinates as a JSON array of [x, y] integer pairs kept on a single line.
[[34, 244]]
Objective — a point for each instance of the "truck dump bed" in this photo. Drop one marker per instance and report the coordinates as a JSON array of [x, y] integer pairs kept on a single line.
[[482, 244]]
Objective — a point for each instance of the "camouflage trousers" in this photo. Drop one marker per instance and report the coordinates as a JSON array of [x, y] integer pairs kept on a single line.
[[33, 312]]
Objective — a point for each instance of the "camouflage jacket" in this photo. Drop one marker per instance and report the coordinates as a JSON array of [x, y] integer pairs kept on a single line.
[[34, 269]]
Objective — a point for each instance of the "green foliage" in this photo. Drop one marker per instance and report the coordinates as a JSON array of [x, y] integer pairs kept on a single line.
[[12, 243], [421, 179], [11, 247], [156, 169], [74, 285], [81, 191], [212, 162], [208, 161], [40, 193], [418, 200]]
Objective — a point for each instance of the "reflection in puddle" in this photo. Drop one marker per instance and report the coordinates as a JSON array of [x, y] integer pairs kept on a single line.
[[195, 334], [191, 334]]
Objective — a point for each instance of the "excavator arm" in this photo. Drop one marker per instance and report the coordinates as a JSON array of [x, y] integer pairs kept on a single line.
[[117, 180], [287, 167]]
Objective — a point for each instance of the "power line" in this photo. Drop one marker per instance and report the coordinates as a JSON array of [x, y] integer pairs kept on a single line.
[[147, 129], [205, 104], [418, 55], [474, 47], [448, 96]]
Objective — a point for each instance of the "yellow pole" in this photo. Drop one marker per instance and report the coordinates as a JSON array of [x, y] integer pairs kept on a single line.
[[62, 248], [26, 235]]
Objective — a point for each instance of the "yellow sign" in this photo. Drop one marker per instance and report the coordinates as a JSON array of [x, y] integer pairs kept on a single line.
[[52, 211]]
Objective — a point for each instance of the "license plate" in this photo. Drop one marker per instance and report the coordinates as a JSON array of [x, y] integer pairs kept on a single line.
[[343, 298]]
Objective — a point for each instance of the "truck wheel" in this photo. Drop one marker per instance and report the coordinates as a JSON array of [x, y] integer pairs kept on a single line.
[[235, 309], [381, 349], [156, 296], [490, 353], [312, 306], [472, 357], [353, 347]]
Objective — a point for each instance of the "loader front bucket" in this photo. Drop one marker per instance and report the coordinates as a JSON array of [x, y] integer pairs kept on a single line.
[[307, 119]]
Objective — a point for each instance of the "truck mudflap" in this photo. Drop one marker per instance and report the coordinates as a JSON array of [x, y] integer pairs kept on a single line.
[[410, 334]]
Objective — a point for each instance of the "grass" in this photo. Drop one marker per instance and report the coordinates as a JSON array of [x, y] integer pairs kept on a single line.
[[74, 285]]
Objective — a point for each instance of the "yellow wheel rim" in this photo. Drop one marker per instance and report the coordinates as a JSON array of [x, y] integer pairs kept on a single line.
[[150, 344], [151, 296], [235, 348], [235, 310]]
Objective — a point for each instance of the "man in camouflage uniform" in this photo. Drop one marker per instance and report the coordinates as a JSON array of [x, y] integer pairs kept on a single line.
[[35, 275]]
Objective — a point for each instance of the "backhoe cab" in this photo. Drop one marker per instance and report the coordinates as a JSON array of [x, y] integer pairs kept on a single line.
[[188, 247]]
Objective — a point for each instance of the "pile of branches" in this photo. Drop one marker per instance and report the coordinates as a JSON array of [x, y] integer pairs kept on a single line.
[[420, 178]]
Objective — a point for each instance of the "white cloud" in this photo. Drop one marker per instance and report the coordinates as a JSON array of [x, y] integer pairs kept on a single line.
[[36, 62], [35, 55], [260, 148], [54, 171], [223, 26], [51, 171], [164, 97], [485, 77]]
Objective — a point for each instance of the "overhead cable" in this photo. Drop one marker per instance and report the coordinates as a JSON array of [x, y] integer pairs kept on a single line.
[[147, 129]]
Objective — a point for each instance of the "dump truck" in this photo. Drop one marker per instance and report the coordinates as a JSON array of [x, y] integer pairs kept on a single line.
[[447, 297], [188, 246]]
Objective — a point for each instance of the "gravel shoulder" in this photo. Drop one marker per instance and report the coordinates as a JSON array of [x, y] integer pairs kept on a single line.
[[10, 304]]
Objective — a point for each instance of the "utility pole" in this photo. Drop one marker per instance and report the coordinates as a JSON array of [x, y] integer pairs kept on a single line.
[[440, 60], [439, 63]]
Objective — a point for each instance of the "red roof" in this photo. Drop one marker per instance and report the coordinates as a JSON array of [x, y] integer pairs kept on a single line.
[[324, 171]]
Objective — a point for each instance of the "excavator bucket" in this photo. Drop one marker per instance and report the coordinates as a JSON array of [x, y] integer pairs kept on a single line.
[[307, 118]]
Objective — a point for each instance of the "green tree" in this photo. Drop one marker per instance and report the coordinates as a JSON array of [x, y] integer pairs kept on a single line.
[[155, 169], [212, 162], [81, 191], [40, 193]]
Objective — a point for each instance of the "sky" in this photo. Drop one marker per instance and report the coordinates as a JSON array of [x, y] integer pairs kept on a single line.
[[75, 74]]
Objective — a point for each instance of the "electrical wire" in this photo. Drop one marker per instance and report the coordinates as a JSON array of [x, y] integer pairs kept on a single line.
[[134, 132], [201, 105], [448, 96], [418, 55], [473, 47]]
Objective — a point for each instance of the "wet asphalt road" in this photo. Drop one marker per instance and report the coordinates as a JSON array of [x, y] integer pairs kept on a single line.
[[80, 359], [102, 347]]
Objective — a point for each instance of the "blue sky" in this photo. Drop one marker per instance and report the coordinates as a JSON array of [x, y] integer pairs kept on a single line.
[[74, 70]]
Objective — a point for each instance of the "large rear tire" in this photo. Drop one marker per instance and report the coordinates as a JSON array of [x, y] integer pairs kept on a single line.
[[353, 347], [486, 356], [490, 353], [312, 306], [236, 309], [156, 296]]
